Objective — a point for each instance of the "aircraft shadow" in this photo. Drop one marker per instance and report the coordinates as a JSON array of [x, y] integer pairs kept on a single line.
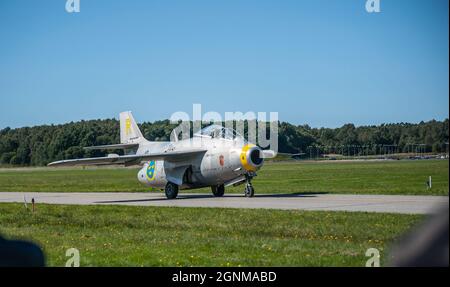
[[294, 194], [201, 196]]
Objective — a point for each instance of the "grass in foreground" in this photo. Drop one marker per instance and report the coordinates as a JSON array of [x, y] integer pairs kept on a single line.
[[376, 177], [172, 236]]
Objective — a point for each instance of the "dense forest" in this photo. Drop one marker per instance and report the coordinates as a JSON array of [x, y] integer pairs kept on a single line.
[[40, 145]]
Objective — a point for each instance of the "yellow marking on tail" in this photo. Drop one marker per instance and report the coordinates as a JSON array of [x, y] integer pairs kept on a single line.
[[127, 126]]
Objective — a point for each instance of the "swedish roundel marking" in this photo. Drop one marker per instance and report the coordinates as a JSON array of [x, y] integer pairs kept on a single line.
[[151, 170]]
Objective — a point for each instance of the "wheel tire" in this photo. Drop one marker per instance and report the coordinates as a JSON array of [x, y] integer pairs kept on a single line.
[[218, 190], [171, 190], [249, 191]]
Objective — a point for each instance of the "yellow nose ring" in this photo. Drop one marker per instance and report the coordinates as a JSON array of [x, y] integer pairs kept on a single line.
[[244, 160]]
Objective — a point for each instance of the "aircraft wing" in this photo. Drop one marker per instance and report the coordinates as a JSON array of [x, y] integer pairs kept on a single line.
[[285, 154], [272, 154], [113, 146], [114, 159]]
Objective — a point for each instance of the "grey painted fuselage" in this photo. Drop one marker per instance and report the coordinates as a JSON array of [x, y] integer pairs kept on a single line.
[[219, 164]]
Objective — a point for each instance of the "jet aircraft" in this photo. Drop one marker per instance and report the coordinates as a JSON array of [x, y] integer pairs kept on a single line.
[[214, 157]]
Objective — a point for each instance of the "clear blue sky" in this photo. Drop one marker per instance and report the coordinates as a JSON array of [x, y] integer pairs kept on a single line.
[[324, 63]]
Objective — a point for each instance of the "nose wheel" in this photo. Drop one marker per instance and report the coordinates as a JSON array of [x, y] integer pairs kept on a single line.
[[249, 190]]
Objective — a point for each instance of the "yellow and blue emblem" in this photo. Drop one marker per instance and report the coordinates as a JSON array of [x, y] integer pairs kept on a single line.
[[151, 170]]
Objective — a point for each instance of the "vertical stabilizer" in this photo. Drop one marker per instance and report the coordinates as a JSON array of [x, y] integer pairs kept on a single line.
[[129, 131]]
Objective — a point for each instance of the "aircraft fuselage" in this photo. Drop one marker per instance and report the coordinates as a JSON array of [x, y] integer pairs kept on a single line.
[[223, 162]]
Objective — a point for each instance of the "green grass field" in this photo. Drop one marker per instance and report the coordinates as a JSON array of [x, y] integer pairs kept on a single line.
[[172, 236], [368, 177]]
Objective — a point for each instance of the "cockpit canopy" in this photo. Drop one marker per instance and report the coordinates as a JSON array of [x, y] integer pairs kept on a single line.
[[218, 131]]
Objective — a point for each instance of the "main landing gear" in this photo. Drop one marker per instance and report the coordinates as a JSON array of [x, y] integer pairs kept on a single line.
[[218, 190], [249, 190], [171, 190]]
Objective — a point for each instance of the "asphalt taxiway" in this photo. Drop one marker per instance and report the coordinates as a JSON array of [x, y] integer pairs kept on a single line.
[[408, 204]]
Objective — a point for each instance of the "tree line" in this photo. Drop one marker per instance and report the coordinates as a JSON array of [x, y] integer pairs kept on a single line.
[[39, 145]]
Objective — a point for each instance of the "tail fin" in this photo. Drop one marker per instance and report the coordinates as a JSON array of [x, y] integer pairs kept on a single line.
[[129, 131]]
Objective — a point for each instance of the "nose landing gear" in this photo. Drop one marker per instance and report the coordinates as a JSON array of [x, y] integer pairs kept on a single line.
[[249, 190]]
